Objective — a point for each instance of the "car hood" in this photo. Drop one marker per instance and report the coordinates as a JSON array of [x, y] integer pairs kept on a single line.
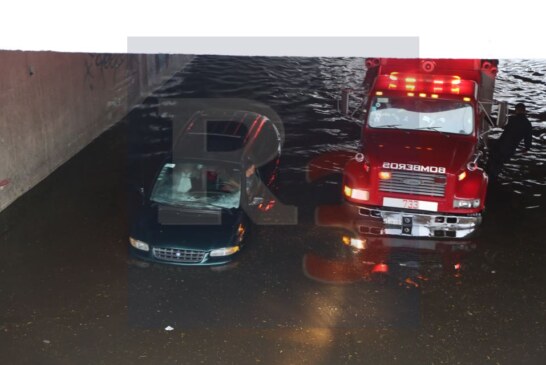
[[176, 227], [419, 148]]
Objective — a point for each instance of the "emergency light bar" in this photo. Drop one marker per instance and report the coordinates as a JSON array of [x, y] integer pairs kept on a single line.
[[426, 84]]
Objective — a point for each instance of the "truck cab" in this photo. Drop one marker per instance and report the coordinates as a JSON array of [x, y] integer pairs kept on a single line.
[[418, 171]]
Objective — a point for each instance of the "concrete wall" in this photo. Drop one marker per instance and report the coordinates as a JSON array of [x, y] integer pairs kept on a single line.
[[53, 104]]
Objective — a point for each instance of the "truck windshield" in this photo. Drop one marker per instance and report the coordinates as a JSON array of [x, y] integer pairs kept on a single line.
[[449, 116], [196, 184]]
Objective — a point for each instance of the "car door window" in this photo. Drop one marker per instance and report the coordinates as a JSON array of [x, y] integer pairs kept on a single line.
[[266, 147]]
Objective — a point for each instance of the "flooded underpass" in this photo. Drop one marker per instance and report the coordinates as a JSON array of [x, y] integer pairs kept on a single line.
[[70, 293]]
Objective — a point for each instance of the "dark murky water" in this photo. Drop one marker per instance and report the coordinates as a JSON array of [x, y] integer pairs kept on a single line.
[[302, 92], [295, 295], [525, 81]]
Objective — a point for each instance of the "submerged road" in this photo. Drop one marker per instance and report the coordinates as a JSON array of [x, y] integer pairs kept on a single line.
[[69, 293]]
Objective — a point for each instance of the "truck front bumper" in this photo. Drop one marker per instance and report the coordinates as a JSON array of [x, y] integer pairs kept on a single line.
[[381, 221]]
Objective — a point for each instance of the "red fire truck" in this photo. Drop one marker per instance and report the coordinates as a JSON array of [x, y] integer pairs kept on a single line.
[[419, 168]]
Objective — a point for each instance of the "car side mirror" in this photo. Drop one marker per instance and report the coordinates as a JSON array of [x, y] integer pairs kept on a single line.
[[257, 200], [139, 190], [136, 196], [134, 186]]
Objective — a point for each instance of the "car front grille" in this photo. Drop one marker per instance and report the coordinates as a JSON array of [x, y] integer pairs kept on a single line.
[[179, 255], [417, 183]]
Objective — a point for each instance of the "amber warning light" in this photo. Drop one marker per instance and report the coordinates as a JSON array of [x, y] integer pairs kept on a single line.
[[426, 85]]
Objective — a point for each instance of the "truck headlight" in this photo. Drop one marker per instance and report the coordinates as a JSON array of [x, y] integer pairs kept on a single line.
[[139, 245], [466, 203], [357, 243], [225, 251], [357, 194]]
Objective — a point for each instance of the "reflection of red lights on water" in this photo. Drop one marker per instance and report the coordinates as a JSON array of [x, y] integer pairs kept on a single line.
[[380, 268], [266, 207], [327, 163], [411, 282], [330, 271]]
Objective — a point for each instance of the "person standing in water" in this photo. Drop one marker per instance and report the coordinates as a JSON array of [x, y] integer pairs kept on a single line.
[[517, 129]]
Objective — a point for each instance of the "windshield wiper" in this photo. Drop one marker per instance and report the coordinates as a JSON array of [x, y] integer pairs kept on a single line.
[[172, 203], [214, 205], [167, 203], [395, 126], [432, 128]]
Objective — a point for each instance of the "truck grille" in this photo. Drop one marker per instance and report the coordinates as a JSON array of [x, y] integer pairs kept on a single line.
[[179, 255], [417, 183]]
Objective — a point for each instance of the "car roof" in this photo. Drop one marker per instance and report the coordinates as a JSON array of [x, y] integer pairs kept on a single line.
[[221, 136]]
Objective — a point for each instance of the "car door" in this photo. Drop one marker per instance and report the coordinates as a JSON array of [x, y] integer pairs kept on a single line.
[[265, 151]]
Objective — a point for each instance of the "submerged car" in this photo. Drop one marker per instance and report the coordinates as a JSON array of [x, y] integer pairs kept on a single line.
[[199, 207]]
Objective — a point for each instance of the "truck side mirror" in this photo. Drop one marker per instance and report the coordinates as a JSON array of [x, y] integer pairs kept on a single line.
[[502, 116], [344, 103]]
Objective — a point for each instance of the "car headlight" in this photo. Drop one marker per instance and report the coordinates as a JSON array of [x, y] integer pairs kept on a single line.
[[139, 245], [225, 251], [466, 203]]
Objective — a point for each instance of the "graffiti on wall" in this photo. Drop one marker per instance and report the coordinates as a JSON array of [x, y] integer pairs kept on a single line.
[[98, 65]]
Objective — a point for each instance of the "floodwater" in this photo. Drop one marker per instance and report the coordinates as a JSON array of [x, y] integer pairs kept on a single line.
[[70, 293]]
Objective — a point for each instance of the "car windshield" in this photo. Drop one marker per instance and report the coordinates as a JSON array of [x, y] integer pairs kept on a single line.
[[449, 116], [197, 184]]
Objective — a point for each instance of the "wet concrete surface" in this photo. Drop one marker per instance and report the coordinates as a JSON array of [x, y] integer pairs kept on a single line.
[[70, 294]]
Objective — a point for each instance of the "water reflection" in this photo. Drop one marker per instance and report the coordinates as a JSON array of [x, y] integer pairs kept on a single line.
[[357, 250]]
